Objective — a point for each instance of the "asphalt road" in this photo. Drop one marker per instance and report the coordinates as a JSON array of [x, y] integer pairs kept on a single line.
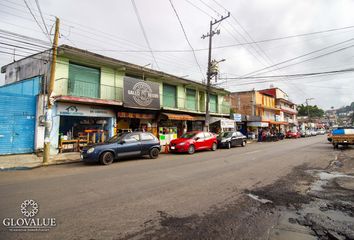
[[109, 202]]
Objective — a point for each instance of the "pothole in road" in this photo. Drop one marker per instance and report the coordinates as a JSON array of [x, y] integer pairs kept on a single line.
[[329, 215]]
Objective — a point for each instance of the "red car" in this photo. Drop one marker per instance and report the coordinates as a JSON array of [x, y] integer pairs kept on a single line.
[[194, 141], [291, 134]]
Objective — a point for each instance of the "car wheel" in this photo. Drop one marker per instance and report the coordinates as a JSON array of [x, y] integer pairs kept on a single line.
[[243, 144], [106, 158], [214, 147], [228, 146], [154, 153], [191, 149]]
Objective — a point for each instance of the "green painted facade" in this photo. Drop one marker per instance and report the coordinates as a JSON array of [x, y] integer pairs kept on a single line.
[[110, 87]]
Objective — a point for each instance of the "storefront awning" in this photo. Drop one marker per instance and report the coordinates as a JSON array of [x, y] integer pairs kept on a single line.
[[224, 122], [87, 100], [183, 117], [135, 115], [278, 123]]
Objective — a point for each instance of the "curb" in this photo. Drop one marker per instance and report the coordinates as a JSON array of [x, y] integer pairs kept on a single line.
[[51, 163]]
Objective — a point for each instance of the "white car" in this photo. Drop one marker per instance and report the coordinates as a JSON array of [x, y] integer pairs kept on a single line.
[[313, 132], [321, 131]]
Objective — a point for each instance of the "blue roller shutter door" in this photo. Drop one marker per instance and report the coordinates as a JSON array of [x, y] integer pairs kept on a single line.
[[17, 123]]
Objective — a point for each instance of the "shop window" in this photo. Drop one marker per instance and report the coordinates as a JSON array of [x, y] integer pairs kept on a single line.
[[83, 81], [191, 99], [213, 103], [169, 96]]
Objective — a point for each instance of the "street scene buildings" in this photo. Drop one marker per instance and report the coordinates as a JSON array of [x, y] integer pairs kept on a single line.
[[209, 119]]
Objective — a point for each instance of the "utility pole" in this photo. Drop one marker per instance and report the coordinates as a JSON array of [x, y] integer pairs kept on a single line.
[[210, 35], [307, 107], [48, 117]]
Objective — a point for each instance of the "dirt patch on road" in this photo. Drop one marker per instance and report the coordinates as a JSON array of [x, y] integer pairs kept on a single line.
[[308, 203]]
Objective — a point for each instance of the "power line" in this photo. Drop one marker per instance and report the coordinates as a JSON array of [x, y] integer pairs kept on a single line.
[[294, 58], [34, 17], [186, 37], [45, 26], [144, 33], [168, 59], [295, 77], [16, 46], [186, 50], [319, 56], [297, 74], [20, 36]]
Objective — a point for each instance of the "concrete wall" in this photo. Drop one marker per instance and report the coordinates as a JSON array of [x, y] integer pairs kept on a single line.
[[27, 68]]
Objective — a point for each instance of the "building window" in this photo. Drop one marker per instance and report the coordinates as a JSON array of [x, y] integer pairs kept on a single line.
[[83, 81], [191, 99], [213, 103], [169, 96]]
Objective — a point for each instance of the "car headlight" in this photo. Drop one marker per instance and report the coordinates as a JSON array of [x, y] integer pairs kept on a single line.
[[181, 144], [90, 150], [224, 140]]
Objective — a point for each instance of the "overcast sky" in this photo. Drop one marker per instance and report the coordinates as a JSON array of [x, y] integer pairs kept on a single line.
[[111, 28]]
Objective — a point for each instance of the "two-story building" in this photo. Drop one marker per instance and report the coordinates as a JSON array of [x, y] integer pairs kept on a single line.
[[96, 97], [267, 108], [288, 112]]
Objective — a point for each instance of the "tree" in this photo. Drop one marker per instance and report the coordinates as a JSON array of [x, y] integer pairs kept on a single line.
[[312, 111]]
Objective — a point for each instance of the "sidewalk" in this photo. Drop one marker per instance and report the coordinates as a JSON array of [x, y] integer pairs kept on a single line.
[[30, 161]]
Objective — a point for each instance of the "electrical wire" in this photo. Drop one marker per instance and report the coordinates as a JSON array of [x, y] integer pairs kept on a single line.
[[297, 74], [45, 26], [186, 37], [34, 17], [297, 57], [144, 33]]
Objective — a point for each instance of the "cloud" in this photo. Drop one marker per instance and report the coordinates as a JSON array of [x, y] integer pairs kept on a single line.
[[112, 25]]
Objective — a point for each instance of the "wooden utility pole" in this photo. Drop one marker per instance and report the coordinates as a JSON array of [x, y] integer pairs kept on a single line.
[[210, 35], [48, 117]]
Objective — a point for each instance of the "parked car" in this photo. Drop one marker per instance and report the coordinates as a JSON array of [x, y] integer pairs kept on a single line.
[[231, 139], [305, 133], [194, 141], [291, 134], [313, 132], [321, 131], [133, 144]]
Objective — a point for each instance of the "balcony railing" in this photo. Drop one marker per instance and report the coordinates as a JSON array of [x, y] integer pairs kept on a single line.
[[288, 109], [78, 88]]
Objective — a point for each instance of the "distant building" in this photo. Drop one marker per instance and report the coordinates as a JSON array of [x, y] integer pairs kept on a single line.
[[267, 108]]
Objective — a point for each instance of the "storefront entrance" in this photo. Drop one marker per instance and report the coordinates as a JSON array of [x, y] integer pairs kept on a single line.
[[132, 121], [80, 125]]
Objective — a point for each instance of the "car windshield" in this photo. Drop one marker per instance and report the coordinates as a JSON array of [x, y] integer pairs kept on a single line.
[[225, 134], [116, 138], [188, 135]]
